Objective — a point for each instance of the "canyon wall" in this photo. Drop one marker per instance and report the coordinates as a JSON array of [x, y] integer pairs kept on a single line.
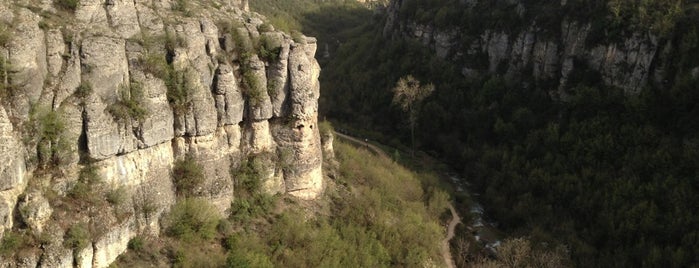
[[122, 90]]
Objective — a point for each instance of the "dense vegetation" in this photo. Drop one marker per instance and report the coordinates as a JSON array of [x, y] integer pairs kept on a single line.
[[611, 176], [378, 214], [290, 15], [658, 16]]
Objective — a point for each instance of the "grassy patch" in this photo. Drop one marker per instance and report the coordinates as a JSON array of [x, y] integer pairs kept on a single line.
[[386, 217]]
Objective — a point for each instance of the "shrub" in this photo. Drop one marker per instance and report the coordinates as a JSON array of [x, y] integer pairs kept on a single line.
[[248, 176], [84, 188], [246, 249], [119, 111], [68, 5], [188, 175], [193, 255], [80, 191], [228, 26], [130, 105], [248, 259], [192, 219], [52, 126], [225, 228], [325, 128], [11, 242], [178, 92], [182, 6], [272, 90], [77, 237], [68, 35], [117, 196], [253, 87], [7, 90], [5, 34], [83, 90], [156, 64], [89, 175], [242, 41], [171, 41], [43, 25], [53, 149], [147, 205], [298, 37], [285, 157], [265, 27], [268, 49], [244, 209], [136, 243]]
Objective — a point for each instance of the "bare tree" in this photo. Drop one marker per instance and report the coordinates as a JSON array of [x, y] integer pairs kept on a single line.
[[409, 94]]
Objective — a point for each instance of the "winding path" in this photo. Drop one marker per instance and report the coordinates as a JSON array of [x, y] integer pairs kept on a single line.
[[360, 143], [446, 252], [455, 219]]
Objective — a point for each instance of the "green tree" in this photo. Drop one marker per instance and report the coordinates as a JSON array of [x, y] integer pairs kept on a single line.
[[409, 94]]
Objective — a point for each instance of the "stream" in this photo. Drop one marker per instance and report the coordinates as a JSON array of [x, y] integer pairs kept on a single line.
[[484, 231]]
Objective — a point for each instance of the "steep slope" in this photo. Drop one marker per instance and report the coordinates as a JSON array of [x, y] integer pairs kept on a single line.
[[573, 122], [105, 97], [555, 43]]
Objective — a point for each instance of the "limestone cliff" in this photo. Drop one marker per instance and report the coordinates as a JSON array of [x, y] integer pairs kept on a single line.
[[551, 42], [123, 89]]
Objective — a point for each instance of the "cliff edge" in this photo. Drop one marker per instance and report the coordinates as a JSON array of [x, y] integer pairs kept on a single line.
[[120, 91]]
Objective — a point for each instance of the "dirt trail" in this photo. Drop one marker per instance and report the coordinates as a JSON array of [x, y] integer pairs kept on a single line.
[[446, 252], [455, 219], [360, 143]]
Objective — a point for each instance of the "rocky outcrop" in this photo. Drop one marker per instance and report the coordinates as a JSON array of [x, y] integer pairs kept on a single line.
[[110, 245], [124, 90], [35, 211], [13, 173], [549, 55]]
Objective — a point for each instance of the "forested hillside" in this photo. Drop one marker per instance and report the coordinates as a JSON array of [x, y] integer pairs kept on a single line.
[[609, 172]]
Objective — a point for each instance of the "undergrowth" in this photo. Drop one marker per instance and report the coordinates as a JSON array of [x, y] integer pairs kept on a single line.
[[386, 215]]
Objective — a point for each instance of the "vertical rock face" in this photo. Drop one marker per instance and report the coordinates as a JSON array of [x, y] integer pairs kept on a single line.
[[27, 58], [13, 173], [549, 55], [128, 88]]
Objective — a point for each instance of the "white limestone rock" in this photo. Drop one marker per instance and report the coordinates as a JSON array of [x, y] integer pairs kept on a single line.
[[13, 171], [35, 211], [259, 103], [305, 89], [112, 244], [230, 103]]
